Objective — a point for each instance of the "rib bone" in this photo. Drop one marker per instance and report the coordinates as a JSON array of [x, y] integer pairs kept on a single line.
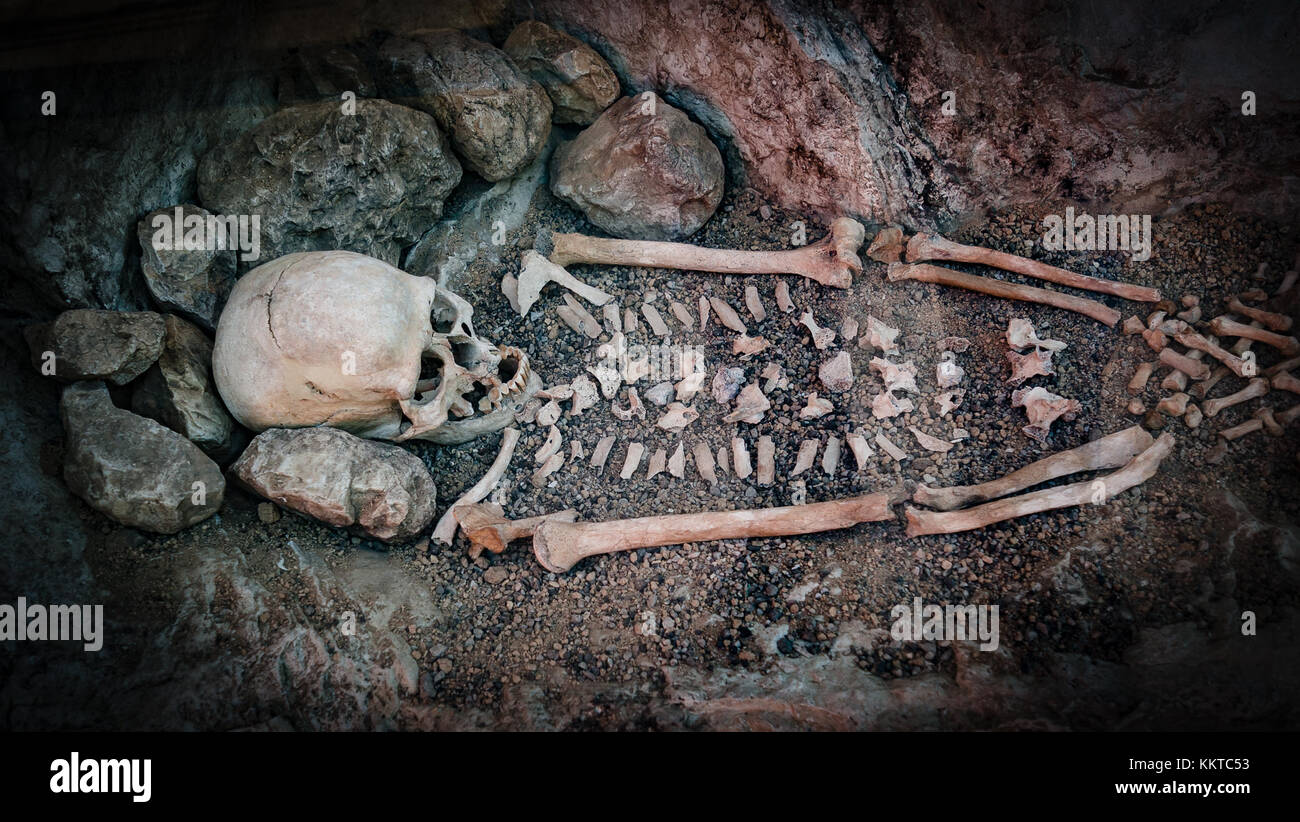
[[445, 530]]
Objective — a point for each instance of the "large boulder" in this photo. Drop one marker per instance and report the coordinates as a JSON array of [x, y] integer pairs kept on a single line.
[[178, 391], [376, 488], [370, 182], [580, 83], [132, 469], [191, 280], [497, 116], [89, 344], [642, 171]]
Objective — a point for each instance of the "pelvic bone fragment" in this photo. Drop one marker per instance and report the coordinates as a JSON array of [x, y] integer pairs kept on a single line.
[[1042, 407]]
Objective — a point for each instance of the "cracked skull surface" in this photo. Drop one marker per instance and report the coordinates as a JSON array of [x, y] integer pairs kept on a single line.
[[341, 339]]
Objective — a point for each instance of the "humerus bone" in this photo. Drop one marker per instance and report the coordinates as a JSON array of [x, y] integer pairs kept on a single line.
[[1268, 319], [1111, 451], [927, 247], [1192, 368], [559, 545], [1257, 387], [445, 530], [1136, 471], [1228, 327], [1011, 291], [830, 261], [488, 529]]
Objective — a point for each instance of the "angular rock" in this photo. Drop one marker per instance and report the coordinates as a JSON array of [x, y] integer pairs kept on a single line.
[[498, 118], [580, 83], [89, 344], [191, 282], [371, 182], [178, 391], [375, 488], [643, 170], [133, 470]]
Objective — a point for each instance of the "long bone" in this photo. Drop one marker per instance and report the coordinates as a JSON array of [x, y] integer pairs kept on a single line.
[[1136, 471], [1197, 342], [830, 261], [559, 546], [1111, 451], [1257, 387], [488, 528], [1011, 291], [1228, 327], [933, 247], [1269, 319]]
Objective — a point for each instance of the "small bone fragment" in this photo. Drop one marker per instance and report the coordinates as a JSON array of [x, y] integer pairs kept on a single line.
[[445, 530], [751, 405], [923, 272], [1021, 335], [728, 316], [561, 392], [885, 405], [1193, 416], [754, 304], [1173, 406], [948, 374], [836, 374], [633, 460], [1228, 327], [613, 318], [1187, 365], [630, 324], [575, 451], [888, 245], [1042, 407], [510, 288], [704, 313], [584, 395], [783, 300], [1156, 339], [1285, 382], [1257, 387], [683, 315], [896, 376], [766, 461], [528, 414], [553, 442], [678, 417], [805, 458], [1191, 315], [704, 462], [608, 377], [934, 247], [591, 326], [821, 337], [576, 322], [727, 383], [861, 450], [1136, 471], [657, 325], [816, 407], [1133, 325], [658, 460], [889, 448], [1155, 318], [746, 346], [849, 329], [487, 528], [1193, 340], [831, 457], [687, 387], [552, 464], [775, 378], [1110, 451], [1271, 425], [660, 394], [677, 462], [930, 443], [1203, 388], [950, 400], [1034, 364], [558, 546], [740, 458], [830, 261], [1136, 407], [881, 336], [536, 271], [600, 453], [548, 414], [634, 407], [724, 460]]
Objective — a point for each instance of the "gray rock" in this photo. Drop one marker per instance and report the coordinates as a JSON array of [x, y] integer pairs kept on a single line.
[[580, 83], [642, 171], [178, 391], [498, 118], [89, 344], [378, 489], [132, 469], [371, 182], [318, 72], [193, 283]]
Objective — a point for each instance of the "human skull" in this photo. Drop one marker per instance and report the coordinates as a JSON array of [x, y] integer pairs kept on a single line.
[[340, 339]]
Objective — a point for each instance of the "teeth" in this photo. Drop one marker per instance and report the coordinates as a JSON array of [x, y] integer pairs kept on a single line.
[[520, 379]]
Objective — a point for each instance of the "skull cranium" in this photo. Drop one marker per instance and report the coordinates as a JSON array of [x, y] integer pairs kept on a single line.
[[340, 339]]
